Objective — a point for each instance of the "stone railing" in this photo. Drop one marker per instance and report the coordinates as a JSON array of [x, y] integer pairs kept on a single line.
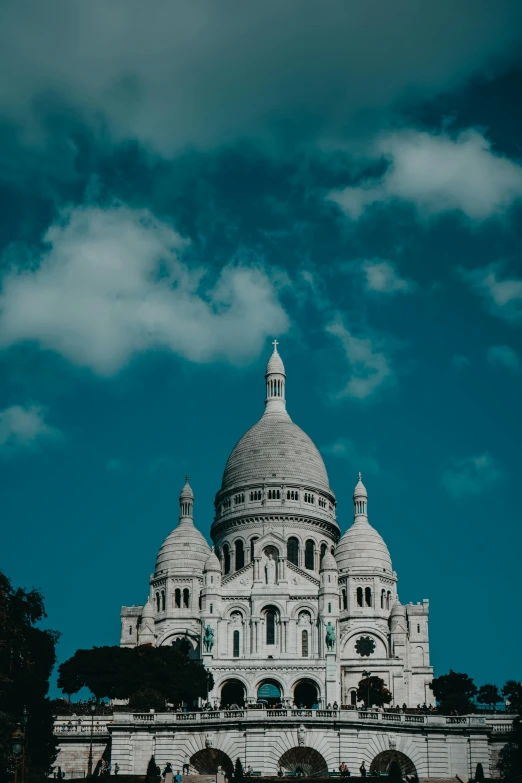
[[490, 722]]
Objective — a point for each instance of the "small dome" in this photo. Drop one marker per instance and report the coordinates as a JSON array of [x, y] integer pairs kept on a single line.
[[362, 547], [328, 562], [148, 611], [186, 492], [212, 562], [398, 609], [184, 551], [360, 489], [275, 364]]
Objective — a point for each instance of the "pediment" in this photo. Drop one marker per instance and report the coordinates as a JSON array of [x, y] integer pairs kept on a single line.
[[240, 579], [297, 576]]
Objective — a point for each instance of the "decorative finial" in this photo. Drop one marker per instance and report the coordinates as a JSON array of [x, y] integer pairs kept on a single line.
[[359, 476], [275, 344], [187, 478]]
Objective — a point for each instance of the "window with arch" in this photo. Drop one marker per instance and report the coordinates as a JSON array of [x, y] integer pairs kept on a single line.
[[322, 503], [345, 599], [308, 497], [292, 550], [240, 554], [310, 554], [130, 630], [353, 698], [235, 645], [252, 545], [323, 551], [304, 644], [157, 602], [226, 559], [383, 598], [200, 601], [368, 596], [292, 494], [211, 608], [270, 619], [388, 600], [329, 608], [256, 495], [177, 598], [186, 598], [163, 600], [359, 596], [418, 628]]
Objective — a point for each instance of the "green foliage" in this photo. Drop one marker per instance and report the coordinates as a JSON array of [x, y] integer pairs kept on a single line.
[[378, 694], [167, 673], [510, 757], [454, 692], [238, 770], [153, 771], [479, 773], [488, 694], [27, 657], [512, 692], [145, 700]]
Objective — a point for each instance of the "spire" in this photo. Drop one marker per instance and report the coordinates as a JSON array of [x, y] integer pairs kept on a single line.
[[275, 383], [360, 500], [186, 502]]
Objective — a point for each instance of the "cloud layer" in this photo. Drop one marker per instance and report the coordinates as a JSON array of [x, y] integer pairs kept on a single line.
[[471, 475], [112, 284], [502, 295], [24, 428]]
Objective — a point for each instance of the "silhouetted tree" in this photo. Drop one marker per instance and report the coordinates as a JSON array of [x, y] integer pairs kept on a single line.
[[510, 757], [238, 770], [512, 692], [153, 771], [27, 657], [488, 694], [374, 689], [454, 692], [479, 773]]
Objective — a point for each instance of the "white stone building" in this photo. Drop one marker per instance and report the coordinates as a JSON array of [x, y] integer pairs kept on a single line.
[[258, 608]]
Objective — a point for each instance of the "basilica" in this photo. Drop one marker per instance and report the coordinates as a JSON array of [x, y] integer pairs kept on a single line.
[[283, 609]]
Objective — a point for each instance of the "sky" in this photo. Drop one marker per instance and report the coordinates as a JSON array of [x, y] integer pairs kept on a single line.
[[182, 183]]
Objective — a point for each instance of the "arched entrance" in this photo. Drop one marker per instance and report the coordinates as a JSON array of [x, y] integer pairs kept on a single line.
[[383, 761], [269, 692], [232, 694], [209, 760], [305, 761], [306, 694]]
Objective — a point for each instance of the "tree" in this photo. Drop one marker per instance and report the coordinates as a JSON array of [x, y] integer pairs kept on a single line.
[[153, 771], [454, 692], [27, 657], [488, 694], [238, 770], [512, 692], [479, 773], [510, 757], [373, 691], [166, 673]]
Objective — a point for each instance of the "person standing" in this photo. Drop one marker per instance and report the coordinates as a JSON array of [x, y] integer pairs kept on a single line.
[[362, 770], [186, 765], [177, 777]]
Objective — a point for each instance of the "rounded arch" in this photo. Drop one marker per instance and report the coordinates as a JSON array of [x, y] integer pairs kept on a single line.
[[171, 637], [232, 693], [304, 761], [304, 607], [269, 690], [306, 693], [362, 632], [229, 611], [384, 760], [209, 760]]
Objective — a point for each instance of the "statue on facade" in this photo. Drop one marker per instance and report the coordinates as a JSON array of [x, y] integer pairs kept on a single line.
[[330, 637], [301, 736], [270, 570], [209, 742], [208, 638]]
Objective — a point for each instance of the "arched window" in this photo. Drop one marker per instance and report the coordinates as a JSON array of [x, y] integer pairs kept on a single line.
[[240, 555], [226, 559], [323, 551], [353, 698], [157, 602], [345, 600], [270, 626], [200, 601], [329, 608], [359, 596], [130, 630], [388, 600], [304, 644], [211, 608], [292, 551], [186, 598], [252, 543], [236, 645], [163, 600], [177, 598], [309, 554], [368, 596], [383, 598], [418, 628]]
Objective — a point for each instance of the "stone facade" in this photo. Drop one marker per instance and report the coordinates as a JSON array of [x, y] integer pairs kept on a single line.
[[258, 607]]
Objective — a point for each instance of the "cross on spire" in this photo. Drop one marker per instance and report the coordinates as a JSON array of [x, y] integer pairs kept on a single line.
[[275, 344]]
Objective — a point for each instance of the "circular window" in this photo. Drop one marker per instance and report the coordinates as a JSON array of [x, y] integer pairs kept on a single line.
[[365, 646]]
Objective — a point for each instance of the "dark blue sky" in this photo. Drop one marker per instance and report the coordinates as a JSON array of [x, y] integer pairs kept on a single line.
[[178, 187]]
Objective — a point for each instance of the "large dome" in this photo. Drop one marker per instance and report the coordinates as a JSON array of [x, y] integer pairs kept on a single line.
[[275, 449]]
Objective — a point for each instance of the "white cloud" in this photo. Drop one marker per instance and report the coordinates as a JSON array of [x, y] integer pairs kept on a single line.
[[471, 475], [113, 284], [438, 173], [178, 74], [369, 367], [24, 428], [503, 297], [504, 356], [343, 448], [383, 277]]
